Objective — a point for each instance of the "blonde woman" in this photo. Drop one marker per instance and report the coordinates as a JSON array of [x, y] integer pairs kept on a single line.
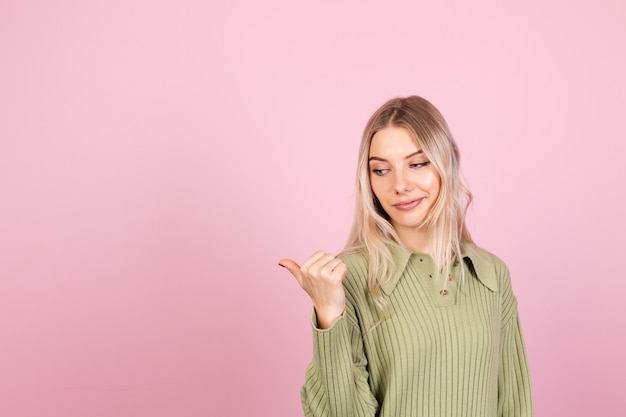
[[412, 319]]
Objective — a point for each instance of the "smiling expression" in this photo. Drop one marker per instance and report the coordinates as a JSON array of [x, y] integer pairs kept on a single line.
[[404, 181]]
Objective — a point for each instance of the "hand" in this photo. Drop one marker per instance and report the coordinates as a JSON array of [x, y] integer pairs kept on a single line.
[[321, 276]]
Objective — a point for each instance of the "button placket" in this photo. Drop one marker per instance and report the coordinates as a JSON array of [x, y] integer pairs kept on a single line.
[[426, 269], [446, 296]]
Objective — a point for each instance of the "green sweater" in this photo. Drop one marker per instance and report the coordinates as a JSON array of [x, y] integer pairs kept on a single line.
[[459, 354]]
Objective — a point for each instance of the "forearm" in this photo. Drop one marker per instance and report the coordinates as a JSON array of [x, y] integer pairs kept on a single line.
[[336, 380]]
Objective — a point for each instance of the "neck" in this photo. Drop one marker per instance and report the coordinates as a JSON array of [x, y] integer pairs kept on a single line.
[[414, 240]]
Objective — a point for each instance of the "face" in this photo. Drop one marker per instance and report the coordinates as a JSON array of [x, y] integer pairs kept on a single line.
[[403, 180]]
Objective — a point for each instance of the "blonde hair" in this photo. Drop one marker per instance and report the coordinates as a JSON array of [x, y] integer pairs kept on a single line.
[[444, 224]]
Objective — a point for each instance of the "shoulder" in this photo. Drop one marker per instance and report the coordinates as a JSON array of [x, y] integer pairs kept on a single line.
[[356, 261], [354, 257], [482, 256], [487, 267]]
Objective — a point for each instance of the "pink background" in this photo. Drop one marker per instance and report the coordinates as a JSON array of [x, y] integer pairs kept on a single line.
[[157, 158]]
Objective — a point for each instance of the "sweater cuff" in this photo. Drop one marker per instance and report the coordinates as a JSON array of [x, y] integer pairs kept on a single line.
[[331, 348], [316, 326]]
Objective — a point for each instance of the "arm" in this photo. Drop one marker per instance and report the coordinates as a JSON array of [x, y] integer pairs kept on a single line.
[[336, 382], [514, 391]]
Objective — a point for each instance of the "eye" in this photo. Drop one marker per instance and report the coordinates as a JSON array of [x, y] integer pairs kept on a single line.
[[380, 172], [419, 164]]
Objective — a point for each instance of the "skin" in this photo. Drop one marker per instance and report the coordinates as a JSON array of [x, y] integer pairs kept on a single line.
[[405, 182], [321, 276], [407, 186]]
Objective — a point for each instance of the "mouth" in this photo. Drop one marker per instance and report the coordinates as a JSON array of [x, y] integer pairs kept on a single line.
[[409, 204]]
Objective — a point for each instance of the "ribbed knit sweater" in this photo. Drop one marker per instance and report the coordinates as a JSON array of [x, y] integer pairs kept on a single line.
[[458, 353]]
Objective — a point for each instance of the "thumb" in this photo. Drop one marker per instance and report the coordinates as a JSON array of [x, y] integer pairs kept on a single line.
[[292, 267]]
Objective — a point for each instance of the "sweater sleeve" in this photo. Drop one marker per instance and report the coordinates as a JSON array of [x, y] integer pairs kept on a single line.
[[514, 390], [336, 382]]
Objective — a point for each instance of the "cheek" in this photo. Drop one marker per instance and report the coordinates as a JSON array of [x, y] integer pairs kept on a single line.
[[433, 183], [376, 186], [378, 191]]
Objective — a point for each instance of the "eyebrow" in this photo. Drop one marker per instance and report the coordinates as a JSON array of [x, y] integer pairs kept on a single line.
[[376, 158]]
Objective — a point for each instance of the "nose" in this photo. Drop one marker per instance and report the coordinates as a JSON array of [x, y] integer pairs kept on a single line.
[[401, 182]]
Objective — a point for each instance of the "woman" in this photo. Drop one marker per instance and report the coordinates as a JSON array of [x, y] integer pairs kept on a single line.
[[412, 319]]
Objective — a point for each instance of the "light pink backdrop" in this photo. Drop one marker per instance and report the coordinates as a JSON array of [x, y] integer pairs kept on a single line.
[[158, 157]]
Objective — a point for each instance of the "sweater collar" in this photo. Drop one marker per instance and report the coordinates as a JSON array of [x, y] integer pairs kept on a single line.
[[476, 261]]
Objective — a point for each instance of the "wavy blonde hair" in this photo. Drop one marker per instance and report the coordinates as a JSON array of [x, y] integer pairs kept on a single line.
[[445, 223]]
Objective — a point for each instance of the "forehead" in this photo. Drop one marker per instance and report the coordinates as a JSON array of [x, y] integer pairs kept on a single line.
[[393, 141]]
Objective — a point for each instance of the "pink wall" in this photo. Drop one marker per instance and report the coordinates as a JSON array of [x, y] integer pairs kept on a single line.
[[158, 157]]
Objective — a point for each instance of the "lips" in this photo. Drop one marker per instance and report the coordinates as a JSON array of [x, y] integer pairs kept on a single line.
[[408, 204]]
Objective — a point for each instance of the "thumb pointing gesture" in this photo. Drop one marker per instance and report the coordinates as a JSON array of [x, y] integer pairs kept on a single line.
[[321, 276], [293, 268]]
